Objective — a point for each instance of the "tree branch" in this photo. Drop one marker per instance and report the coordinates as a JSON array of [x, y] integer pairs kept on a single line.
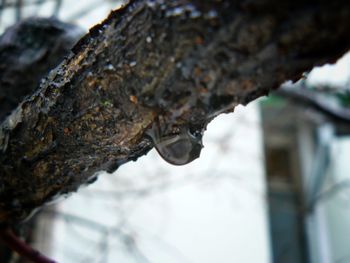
[[316, 100], [165, 65], [23, 249]]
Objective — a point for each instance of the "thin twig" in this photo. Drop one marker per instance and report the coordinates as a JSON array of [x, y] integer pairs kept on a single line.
[[315, 100], [6, 4], [23, 249], [57, 8], [19, 5]]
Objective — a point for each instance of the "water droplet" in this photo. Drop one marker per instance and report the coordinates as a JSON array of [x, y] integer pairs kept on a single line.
[[175, 12], [178, 149], [212, 14], [151, 4], [132, 64], [110, 67], [189, 9], [148, 39], [195, 14]]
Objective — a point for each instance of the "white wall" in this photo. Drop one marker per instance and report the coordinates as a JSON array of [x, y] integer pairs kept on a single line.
[[336, 201]]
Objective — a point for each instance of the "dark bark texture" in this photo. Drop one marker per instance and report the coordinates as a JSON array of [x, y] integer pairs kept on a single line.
[[164, 65], [28, 51]]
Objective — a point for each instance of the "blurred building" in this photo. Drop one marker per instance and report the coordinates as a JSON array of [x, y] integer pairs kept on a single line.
[[308, 170]]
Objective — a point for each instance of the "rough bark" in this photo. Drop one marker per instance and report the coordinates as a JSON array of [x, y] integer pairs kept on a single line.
[[28, 51], [169, 65]]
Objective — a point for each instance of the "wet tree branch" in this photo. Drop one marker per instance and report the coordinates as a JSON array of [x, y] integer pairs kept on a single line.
[[169, 65]]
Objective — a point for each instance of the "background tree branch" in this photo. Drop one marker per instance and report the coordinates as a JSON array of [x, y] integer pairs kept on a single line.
[[169, 65], [311, 98]]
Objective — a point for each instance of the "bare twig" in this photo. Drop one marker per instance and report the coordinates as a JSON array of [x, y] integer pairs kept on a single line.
[[13, 242], [314, 99]]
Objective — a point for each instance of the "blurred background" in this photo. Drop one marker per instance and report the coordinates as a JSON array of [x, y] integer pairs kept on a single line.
[[271, 185]]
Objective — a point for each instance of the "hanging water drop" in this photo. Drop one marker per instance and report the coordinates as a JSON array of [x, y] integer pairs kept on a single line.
[[132, 63], [178, 149]]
